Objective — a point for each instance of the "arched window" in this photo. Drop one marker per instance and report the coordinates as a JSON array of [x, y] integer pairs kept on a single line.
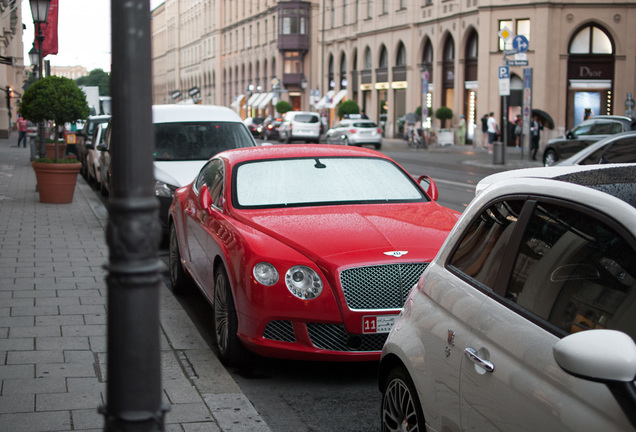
[[343, 70], [591, 40], [401, 55], [427, 59], [332, 82], [368, 60], [384, 60]]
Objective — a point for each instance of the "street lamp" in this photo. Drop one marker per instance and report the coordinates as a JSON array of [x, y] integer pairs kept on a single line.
[[34, 56], [40, 12]]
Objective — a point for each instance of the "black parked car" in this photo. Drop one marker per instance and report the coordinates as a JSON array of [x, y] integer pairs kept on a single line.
[[584, 134], [269, 129], [255, 125]]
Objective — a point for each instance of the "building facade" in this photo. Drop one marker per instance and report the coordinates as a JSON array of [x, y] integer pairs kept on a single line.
[[70, 72], [12, 70], [392, 56]]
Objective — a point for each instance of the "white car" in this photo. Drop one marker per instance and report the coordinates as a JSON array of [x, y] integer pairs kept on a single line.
[[355, 132], [300, 126], [538, 277], [186, 137], [93, 154], [619, 148]]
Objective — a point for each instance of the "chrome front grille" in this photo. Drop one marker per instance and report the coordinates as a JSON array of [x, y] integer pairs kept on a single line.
[[280, 331], [379, 287], [334, 337]]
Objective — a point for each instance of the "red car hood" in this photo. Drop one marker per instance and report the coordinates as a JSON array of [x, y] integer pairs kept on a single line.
[[358, 234]]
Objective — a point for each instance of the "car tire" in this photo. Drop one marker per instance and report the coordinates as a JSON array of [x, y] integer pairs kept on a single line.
[[180, 281], [231, 350], [550, 157], [378, 146], [401, 409]]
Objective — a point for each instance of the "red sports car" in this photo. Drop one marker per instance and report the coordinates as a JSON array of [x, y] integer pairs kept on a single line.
[[306, 251]]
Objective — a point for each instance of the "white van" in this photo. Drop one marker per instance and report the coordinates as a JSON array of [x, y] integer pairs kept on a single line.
[[300, 126]]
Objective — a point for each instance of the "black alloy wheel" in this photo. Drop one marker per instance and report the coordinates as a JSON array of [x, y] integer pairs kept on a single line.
[[231, 350]]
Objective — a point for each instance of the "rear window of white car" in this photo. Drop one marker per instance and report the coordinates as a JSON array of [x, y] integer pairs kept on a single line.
[[321, 181], [198, 140], [365, 125], [306, 118]]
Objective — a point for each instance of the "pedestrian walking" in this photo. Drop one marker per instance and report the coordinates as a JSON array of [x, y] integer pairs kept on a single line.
[[484, 130], [517, 131], [536, 129], [493, 131], [22, 131], [461, 130]]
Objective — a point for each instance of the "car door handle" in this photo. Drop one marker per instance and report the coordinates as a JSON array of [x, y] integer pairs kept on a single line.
[[471, 353]]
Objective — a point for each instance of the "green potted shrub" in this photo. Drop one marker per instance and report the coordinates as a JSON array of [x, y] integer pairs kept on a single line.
[[283, 106], [348, 107], [445, 136], [59, 100]]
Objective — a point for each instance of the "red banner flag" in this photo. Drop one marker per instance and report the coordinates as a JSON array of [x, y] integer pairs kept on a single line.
[[49, 31]]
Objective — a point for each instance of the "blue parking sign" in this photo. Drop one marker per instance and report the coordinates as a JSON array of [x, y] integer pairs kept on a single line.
[[504, 72]]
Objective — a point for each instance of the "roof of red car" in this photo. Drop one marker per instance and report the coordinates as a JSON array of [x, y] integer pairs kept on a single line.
[[239, 155]]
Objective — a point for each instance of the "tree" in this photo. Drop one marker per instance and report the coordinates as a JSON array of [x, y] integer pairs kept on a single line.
[[98, 78], [443, 114], [348, 107], [283, 107], [54, 98]]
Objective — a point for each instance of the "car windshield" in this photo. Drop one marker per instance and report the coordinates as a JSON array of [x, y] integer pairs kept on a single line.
[[322, 181], [198, 140]]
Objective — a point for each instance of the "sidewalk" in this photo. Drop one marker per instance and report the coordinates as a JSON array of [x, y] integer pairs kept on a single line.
[[53, 321]]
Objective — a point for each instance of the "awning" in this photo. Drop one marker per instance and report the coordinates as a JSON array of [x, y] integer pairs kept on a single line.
[[266, 100], [336, 99], [258, 100], [237, 101], [252, 98], [322, 102]]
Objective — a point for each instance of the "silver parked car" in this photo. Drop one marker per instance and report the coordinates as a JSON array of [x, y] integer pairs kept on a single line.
[[538, 277], [355, 132]]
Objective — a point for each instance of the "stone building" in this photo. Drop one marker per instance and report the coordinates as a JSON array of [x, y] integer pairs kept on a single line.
[[12, 70], [314, 54]]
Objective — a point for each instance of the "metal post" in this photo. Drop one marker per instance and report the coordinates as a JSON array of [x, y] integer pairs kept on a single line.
[[41, 129], [133, 393], [504, 129]]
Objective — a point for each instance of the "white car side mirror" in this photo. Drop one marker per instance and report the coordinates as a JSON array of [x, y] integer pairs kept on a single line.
[[600, 355], [604, 356]]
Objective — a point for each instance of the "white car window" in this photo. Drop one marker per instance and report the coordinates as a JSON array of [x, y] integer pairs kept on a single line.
[[290, 182], [575, 272]]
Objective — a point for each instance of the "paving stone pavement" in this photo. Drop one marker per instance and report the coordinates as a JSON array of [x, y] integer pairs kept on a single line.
[[53, 321]]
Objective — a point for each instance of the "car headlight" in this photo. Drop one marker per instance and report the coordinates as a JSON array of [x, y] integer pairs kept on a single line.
[[164, 190], [265, 273], [303, 282]]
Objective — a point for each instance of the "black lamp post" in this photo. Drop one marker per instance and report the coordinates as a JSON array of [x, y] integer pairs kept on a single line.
[[40, 12], [34, 57]]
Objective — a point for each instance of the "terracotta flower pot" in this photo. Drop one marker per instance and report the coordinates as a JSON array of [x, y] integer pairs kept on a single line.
[[50, 150], [56, 182]]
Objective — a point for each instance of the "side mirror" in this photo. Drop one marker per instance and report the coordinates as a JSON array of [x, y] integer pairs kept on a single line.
[[569, 135], [205, 199], [605, 356], [429, 186]]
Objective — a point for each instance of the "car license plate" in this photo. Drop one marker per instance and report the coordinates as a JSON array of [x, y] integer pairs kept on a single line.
[[378, 323]]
